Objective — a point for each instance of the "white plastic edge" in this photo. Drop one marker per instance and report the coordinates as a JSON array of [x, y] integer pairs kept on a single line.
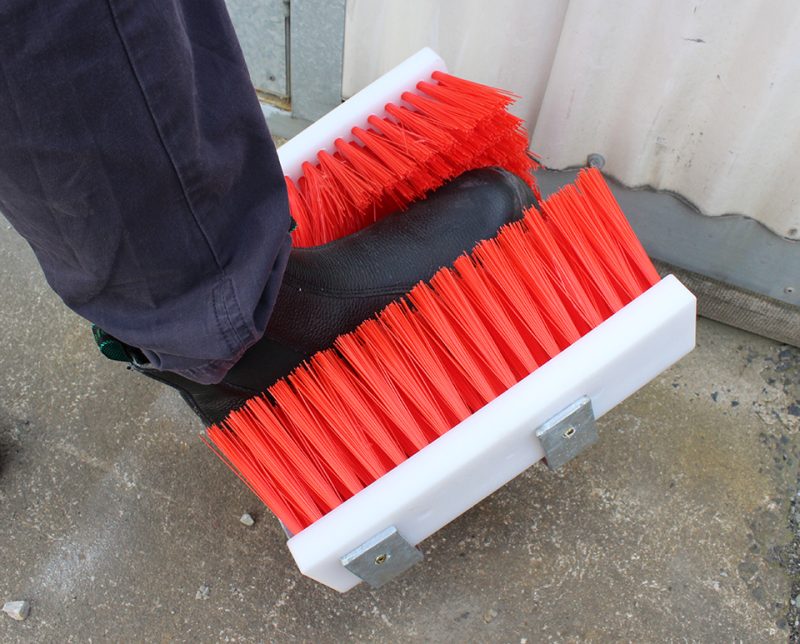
[[497, 443], [354, 111]]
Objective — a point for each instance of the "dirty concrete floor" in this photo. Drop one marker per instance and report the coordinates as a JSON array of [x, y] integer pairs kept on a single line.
[[117, 523]]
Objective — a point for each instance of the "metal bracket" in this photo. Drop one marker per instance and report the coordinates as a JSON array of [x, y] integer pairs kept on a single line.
[[568, 433], [382, 558]]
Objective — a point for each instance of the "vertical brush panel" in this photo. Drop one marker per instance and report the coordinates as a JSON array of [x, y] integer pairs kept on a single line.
[[429, 136]]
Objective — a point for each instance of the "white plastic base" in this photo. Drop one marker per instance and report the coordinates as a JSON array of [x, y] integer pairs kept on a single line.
[[498, 442], [354, 112]]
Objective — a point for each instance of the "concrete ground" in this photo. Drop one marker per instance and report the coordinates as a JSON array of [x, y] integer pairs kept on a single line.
[[117, 523]]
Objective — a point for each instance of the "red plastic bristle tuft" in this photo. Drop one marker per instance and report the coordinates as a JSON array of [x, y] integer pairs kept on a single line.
[[450, 126], [255, 475], [411, 337], [474, 109], [613, 223], [488, 298], [519, 289], [463, 313], [406, 376], [411, 145], [433, 314], [317, 196], [358, 406], [309, 427], [266, 428], [393, 157], [490, 97], [355, 189], [429, 165], [516, 254], [432, 131], [453, 115], [365, 164], [310, 385], [431, 359], [542, 244], [355, 349], [560, 212]]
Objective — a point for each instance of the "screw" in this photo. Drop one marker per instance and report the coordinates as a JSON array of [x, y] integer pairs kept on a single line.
[[788, 290], [380, 559], [570, 432], [595, 160]]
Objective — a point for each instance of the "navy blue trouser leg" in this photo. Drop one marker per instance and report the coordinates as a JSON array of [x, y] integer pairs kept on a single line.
[[135, 160]]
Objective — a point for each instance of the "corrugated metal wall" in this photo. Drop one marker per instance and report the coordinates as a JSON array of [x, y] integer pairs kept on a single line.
[[701, 98]]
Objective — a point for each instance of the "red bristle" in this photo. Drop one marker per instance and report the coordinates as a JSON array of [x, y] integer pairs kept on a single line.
[[520, 290], [558, 211], [407, 332], [487, 300], [229, 448], [451, 117], [465, 103], [269, 431], [506, 150], [496, 98], [613, 221], [431, 168], [448, 287], [277, 477], [433, 313], [311, 231], [409, 380], [319, 198], [460, 378], [541, 242], [513, 256], [360, 193], [412, 145], [353, 348], [298, 210], [317, 438], [398, 163], [368, 167], [607, 249], [243, 454], [390, 154], [427, 129], [389, 197], [470, 151], [369, 464], [358, 407]]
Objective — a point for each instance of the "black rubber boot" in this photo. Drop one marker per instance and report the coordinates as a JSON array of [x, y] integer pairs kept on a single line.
[[329, 290]]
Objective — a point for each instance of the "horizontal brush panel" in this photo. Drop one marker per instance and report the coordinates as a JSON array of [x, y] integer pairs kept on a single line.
[[498, 442]]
